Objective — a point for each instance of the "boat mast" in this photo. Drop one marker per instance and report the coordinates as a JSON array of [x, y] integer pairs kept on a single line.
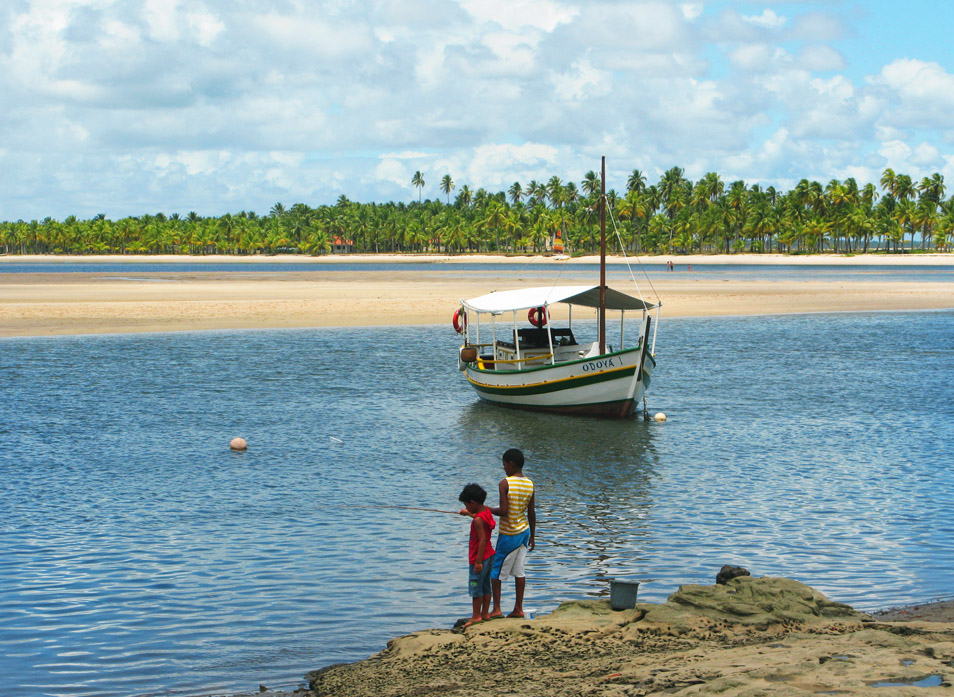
[[601, 320]]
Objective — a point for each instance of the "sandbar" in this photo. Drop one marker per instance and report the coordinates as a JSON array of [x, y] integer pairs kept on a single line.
[[103, 302]]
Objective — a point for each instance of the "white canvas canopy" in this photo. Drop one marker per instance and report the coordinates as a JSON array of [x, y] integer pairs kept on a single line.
[[498, 302]]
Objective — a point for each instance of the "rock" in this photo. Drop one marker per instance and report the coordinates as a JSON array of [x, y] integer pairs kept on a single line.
[[759, 601], [727, 573]]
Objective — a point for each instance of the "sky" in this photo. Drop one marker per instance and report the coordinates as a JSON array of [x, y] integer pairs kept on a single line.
[[126, 107]]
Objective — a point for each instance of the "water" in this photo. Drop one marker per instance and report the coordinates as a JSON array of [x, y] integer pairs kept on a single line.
[[139, 556], [584, 273]]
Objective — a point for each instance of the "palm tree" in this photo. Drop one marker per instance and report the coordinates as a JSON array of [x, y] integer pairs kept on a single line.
[[636, 182], [515, 192], [418, 181], [904, 215], [591, 183], [447, 185], [535, 190], [465, 197], [554, 190], [889, 182]]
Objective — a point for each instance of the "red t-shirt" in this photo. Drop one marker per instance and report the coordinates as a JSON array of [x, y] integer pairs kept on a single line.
[[488, 518]]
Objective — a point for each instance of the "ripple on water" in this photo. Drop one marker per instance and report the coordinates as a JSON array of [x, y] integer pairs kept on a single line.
[[140, 556]]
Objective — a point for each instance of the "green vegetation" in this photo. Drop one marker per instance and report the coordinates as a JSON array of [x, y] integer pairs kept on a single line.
[[675, 215]]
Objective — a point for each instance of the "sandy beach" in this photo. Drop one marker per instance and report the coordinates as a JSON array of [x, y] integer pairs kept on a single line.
[[44, 304]]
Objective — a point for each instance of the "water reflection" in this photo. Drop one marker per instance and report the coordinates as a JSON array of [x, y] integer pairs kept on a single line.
[[594, 480]]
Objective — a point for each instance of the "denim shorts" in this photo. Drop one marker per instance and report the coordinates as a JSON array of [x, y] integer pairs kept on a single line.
[[478, 585]]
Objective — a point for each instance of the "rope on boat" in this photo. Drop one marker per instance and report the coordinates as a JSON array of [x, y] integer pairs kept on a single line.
[[622, 248]]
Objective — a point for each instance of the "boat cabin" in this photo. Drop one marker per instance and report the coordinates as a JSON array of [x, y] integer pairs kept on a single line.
[[532, 348], [541, 345]]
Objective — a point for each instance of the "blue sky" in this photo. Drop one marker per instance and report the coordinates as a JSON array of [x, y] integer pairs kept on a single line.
[[125, 107]]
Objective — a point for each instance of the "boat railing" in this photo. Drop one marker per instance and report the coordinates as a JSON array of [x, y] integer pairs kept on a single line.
[[518, 362], [525, 359]]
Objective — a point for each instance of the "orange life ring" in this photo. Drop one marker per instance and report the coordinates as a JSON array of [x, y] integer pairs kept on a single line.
[[460, 320], [538, 316]]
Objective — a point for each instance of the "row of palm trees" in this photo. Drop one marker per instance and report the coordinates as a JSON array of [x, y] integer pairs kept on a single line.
[[673, 215]]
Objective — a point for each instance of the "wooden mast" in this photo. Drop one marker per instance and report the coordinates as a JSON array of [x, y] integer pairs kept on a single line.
[[601, 319]]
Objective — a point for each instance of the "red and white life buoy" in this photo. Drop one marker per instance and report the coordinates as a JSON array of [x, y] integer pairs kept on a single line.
[[538, 316], [460, 320]]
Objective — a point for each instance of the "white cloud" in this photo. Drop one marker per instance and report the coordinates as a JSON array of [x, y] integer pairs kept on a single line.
[[916, 160], [407, 155], [162, 19], [209, 103], [314, 35], [205, 27], [691, 10], [758, 58], [767, 19], [517, 14], [820, 58], [582, 81], [918, 80], [816, 27]]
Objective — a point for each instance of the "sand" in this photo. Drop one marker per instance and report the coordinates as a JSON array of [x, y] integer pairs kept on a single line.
[[44, 304]]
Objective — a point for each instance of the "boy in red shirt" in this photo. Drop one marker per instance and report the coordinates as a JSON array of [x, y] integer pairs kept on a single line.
[[481, 551]]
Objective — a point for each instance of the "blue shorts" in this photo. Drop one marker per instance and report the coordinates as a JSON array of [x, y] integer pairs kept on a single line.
[[511, 551], [478, 585]]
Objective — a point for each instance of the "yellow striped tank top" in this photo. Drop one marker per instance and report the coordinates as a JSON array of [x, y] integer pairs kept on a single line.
[[520, 489]]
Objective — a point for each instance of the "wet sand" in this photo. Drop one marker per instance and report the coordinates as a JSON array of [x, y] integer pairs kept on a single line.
[[44, 304]]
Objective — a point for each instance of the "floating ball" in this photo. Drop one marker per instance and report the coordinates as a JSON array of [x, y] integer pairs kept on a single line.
[[660, 417], [238, 444]]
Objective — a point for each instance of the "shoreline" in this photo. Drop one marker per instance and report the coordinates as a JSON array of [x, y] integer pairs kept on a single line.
[[50, 303], [751, 636], [870, 259]]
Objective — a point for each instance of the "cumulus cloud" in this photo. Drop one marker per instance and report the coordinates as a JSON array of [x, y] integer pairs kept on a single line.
[[212, 105], [767, 19]]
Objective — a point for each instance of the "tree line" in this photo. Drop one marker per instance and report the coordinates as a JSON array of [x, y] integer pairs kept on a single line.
[[672, 215]]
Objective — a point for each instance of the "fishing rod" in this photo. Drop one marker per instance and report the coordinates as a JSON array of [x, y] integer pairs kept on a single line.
[[414, 508]]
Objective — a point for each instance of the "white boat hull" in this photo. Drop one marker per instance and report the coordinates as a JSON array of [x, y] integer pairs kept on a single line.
[[608, 385]]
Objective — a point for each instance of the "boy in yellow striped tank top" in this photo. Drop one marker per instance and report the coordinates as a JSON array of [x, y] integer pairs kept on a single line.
[[516, 532]]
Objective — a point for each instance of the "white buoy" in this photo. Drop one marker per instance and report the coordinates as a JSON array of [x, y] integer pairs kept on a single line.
[[660, 417], [238, 444]]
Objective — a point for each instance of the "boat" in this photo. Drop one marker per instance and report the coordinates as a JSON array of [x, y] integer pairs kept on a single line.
[[542, 367]]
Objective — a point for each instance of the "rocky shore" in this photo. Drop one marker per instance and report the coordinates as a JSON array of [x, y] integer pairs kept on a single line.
[[750, 636]]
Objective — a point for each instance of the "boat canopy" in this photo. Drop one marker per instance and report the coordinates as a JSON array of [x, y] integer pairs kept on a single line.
[[498, 302]]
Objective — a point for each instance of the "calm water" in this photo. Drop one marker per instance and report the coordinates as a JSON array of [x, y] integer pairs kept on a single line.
[[582, 272], [139, 556]]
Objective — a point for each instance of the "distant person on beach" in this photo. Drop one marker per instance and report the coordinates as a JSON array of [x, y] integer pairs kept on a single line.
[[480, 555], [515, 537]]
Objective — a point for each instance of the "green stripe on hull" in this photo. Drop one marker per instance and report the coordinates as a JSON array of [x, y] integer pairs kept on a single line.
[[619, 408], [556, 385]]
